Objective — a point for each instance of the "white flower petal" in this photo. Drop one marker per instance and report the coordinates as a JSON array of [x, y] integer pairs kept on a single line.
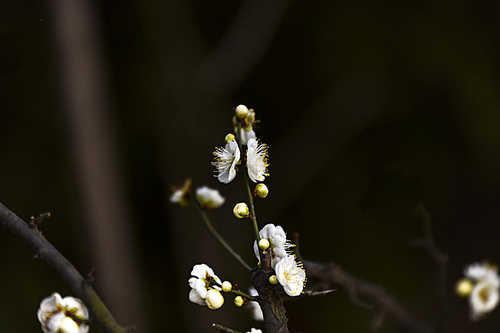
[[257, 160], [226, 160], [290, 275], [195, 297], [76, 307], [483, 299], [280, 247]]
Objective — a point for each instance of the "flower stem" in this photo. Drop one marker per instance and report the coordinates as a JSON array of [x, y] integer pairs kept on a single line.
[[218, 236], [249, 191], [240, 293]]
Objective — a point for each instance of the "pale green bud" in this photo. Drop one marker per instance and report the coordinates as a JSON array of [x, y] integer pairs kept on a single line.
[[227, 286], [230, 137], [263, 244], [250, 118], [238, 301], [261, 190], [241, 111], [273, 279], [241, 210]]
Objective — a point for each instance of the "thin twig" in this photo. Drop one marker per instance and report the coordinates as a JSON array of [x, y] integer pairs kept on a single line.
[[218, 236], [247, 184], [48, 253], [223, 329]]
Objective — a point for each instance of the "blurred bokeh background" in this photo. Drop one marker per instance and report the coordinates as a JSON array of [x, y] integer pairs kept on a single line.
[[370, 109]]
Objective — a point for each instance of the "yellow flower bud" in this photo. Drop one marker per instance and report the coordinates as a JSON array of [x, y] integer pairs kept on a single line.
[[227, 286], [241, 111], [261, 190], [230, 137], [241, 210], [250, 118], [263, 244], [238, 301], [273, 279], [464, 287]]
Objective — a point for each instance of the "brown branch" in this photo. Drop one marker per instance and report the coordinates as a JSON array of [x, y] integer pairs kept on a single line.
[[269, 298], [331, 274], [48, 253]]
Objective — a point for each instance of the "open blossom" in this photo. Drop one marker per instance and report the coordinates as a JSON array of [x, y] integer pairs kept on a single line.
[[209, 198], [201, 282], [484, 295], [63, 315], [257, 158], [279, 245], [290, 275], [226, 160]]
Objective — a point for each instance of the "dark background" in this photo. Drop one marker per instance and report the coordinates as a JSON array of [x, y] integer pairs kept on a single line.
[[369, 109]]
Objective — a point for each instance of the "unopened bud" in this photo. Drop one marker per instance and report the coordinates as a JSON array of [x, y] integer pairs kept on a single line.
[[214, 299], [261, 190], [241, 111], [273, 279], [263, 244], [238, 301], [227, 286], [463, 287], [230, 137], [241, 210]]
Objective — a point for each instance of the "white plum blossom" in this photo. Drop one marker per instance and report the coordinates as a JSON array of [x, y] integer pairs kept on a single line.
[[226, 160], [279, 245], [483, 298], [254, 330], [201, 282], [257, 158], [484, 295], [254, 306], [290, 275], [209, 198], [63, 315]]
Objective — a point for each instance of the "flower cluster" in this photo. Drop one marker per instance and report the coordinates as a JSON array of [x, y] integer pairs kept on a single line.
[[481, 284], [63, 315], [205, 287], [227, 158], [290, 273]]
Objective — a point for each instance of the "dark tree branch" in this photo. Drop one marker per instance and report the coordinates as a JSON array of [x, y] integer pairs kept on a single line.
[[46, 252], [269, 298], [331, 274]]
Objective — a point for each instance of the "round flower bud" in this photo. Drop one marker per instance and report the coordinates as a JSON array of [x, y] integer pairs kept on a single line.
[[241, 210], [464, 287], [230, 137], [238, 301], [241, 111], [214, 299], [263, 244], [261, 190], [273, 279], [227, 286]]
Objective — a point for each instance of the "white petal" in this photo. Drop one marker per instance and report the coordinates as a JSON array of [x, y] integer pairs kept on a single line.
[[484, 298], [76, 307], [195, 297]]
